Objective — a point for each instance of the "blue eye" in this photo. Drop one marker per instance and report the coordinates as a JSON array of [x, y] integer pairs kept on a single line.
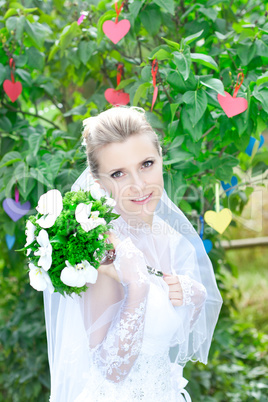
[[113, 175]]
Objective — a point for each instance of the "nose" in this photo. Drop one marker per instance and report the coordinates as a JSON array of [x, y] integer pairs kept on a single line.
[[137, 184]]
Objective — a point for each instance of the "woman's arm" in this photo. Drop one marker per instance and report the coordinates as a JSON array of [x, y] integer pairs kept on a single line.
[[119, 344]]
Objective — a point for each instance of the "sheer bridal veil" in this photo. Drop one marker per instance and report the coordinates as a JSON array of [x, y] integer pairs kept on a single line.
[[173, 243]]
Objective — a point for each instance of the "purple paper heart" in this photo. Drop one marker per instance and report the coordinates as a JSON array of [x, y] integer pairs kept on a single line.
[[14, 209]]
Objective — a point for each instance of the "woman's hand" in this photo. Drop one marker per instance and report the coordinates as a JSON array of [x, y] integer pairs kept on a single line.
[[109, 269], [175, 289]]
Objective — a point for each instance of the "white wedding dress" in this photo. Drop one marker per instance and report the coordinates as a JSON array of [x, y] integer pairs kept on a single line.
[[152, 377], [132, 347]]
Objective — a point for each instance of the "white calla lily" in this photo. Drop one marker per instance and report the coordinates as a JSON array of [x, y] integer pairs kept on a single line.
[[39, 279], [110, 202], [45, 250], [96, 191], [50, 206], [79, 274], [30, 228], [82, 212], [87, 222]]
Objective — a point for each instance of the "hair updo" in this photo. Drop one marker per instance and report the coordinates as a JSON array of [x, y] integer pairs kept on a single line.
[[116, 124]]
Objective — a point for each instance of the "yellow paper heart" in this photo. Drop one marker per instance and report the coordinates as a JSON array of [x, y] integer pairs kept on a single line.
[[219, 221]]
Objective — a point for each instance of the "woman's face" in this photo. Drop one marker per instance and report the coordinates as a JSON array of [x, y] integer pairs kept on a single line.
[[131, 170]]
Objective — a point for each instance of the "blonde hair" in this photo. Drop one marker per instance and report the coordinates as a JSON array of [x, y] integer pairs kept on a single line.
[[116, 124]]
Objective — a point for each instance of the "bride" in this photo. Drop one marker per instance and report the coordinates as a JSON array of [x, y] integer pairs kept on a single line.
[[130, 334]]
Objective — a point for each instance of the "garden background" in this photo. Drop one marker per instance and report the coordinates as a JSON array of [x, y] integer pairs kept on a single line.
[[65, 67]]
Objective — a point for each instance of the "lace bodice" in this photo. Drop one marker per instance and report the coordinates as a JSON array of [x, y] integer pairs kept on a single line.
[[152, 376]]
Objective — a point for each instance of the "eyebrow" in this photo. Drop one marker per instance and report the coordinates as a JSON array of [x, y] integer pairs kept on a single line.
[[115, 170]]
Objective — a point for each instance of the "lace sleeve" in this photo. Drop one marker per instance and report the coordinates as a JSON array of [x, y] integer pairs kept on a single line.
[[194, 293], [117, 353]]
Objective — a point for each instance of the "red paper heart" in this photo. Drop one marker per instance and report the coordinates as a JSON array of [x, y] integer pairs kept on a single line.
[[232, 106], [116, 97], [12, 89], [114, 31]]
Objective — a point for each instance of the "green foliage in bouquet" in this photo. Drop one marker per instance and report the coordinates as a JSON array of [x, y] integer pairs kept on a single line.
[[76, 236]]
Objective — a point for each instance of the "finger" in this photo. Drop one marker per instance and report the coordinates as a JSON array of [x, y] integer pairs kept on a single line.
[[176, 302], [175, 295], [175, 287], [171, 279]]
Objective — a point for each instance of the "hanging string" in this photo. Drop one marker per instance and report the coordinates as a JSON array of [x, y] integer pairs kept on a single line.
[[217, 197], [17, 194], [238, 84], [118, 11], [202, 227], [12, 66], [120, 71], [154, 73]]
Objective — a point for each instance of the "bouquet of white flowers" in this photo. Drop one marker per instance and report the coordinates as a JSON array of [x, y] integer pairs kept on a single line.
[[66, 239]]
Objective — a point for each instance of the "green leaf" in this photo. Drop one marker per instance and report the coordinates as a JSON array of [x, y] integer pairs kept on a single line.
[[5, 124], [37, 32], [25, 76], [196, 104], [161, 54], [36, 59], [183, 62], [171, 43], [210, 13], [151, 19], [191, 38], [10, 158], [125, 83], [35, 141], [261, 48], [196, 131], [205, 60], [2, 73], [246, 53], [85, 50], [141, 92], [79, 110], [135, 7], [262, 96], [68, 34], [263, 78], [166, 4], [10, 13], [180, 156], [177, 82], [213, 83]]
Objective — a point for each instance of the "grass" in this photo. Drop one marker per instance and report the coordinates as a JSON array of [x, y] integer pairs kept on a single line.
[[252, 263], [252, 281]]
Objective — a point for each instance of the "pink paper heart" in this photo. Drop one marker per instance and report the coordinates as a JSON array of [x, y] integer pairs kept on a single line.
[[232, 106], [116, 97], [12, 89], [14, 209], [114, 31]]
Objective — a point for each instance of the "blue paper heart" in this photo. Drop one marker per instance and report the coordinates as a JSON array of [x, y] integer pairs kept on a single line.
[[10, 240], [250, 146], [234, 182], [208, 245]]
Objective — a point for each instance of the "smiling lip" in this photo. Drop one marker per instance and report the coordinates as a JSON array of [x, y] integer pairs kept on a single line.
[[144, 201]]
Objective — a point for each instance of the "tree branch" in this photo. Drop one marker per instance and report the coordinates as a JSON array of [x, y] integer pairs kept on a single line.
[[13, 109]]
